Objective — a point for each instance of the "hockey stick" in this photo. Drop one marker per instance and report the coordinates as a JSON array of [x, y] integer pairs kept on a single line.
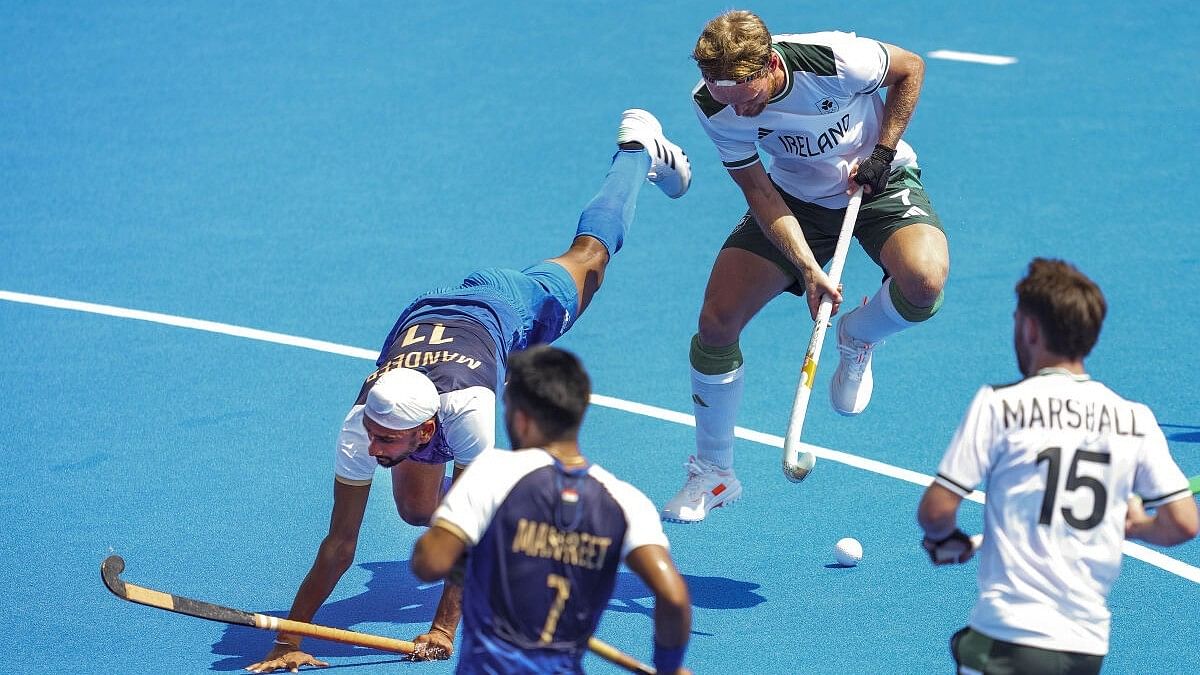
[[798, 463], [616, 656], [113, 565]]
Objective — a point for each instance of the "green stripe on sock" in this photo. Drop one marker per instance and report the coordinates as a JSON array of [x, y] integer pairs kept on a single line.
[[909, 311], [715, 360]]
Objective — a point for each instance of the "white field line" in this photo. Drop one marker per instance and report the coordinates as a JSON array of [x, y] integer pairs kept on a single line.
[[195, 324], [1131, 549], [971, 57]]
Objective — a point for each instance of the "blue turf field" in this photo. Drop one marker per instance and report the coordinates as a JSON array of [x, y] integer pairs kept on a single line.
[[304, 169]]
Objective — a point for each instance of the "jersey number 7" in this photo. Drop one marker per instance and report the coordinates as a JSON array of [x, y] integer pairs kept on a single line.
[[562, 588], [1053, 457]]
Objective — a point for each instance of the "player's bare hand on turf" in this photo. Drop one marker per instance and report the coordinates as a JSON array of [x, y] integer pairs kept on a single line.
[[285, 657], [817, 285], [436, 645]]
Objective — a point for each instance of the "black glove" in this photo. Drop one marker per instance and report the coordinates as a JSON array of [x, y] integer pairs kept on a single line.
[[955, 548], [873, 171]]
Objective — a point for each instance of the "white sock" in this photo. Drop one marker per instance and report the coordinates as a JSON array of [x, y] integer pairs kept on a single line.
[[877, 319], [721, 396]]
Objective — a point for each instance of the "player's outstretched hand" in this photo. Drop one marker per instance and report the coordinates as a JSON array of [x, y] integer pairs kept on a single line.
[[436, 645], [817, 285], [285, 657], [954, 549]]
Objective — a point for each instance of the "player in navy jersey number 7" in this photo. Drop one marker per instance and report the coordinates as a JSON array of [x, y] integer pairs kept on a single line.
[[1062, 455], [545, 530], [432, 398]]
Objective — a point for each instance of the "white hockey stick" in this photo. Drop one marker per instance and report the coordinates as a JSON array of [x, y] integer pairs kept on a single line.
[[796, 462]]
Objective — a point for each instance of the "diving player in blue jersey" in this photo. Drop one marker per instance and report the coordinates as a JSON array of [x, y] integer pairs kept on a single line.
[[546, 530], [432, 399]]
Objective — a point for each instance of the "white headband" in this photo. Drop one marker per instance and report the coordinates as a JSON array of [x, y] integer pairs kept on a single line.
[[402, 399]]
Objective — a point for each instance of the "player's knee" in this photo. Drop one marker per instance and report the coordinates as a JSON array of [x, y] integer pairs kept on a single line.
[[718, 327], [923, 308], [922, 286], [337, 553], [414, 513]]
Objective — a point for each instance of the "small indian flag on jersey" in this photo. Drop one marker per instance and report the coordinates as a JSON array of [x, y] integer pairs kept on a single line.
[[570, 495]]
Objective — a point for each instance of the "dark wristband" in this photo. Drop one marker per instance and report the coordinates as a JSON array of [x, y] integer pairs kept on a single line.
[[956, 534], [667, 661], [883, 153]]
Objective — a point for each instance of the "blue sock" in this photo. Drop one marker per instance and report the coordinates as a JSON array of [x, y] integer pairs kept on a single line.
[[610, 213]]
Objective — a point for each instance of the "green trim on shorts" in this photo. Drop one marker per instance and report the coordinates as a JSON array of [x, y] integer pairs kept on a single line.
[[978, 652], [715, 360], [971, 648], [903, 203], [909, 311]]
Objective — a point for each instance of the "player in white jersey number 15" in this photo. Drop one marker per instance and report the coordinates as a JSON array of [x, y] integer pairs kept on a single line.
[[1070, 468]]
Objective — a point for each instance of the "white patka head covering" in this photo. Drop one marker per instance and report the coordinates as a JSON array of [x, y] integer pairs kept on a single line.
[[402, 399]]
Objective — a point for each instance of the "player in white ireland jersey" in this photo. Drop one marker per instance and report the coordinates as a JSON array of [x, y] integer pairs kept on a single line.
[[1070, 468], [812, 103]]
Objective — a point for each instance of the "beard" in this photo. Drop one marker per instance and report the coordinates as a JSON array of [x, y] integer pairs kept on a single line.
[[513, 436], [1023, 357]]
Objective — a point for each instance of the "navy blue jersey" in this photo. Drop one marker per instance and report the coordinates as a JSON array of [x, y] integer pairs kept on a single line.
[[454, 354], [545, 545]]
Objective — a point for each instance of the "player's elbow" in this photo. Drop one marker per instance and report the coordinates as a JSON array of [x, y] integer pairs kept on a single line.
[[675, 601], [1181, 520], [422, 570], [1188, 527], [673, 609], [426, 564], [918, 65], [911, 64]]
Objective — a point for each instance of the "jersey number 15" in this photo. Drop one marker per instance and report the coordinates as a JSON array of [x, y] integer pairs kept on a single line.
[[1053, 458]]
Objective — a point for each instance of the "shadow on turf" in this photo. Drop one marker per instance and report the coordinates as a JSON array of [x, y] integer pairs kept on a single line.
[[393, 595], [1192, 436], [631, 596]]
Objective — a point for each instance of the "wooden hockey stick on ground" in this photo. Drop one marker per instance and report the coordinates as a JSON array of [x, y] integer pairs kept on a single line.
[[113, 565], [796, 462]]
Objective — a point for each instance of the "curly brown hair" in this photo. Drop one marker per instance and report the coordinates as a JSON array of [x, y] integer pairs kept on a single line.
[[732, 46]]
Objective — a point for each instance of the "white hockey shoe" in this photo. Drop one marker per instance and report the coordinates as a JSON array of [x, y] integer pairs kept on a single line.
[[707, 488], [669, 166], [851, 386]]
